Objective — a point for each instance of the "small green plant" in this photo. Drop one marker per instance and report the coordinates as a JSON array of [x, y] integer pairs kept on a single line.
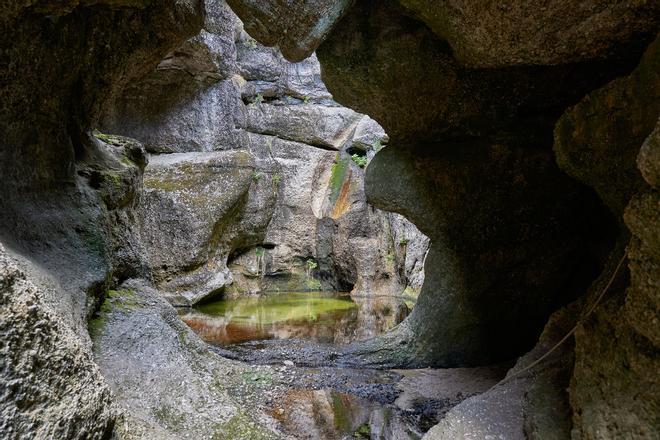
[[311, 265], [306, 100], [250, 43], [377, 146], [364, 431], [259, 251], [256, 176], [390, 258], [276, 179], [258, 99], [403, 242], [361, 161]]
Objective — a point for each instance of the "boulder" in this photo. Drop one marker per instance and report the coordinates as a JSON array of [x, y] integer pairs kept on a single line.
[[166, 381], [192, 204]]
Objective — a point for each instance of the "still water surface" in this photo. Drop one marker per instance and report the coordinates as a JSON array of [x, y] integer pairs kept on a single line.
[[318, 316]]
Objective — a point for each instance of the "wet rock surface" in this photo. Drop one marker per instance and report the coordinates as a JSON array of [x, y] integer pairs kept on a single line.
[[318, 388]]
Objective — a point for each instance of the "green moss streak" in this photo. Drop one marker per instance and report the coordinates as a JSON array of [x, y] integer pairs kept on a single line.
[[337, 177]]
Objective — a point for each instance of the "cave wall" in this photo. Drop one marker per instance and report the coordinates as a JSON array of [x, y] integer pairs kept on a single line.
[[67, 198], [455, 83], [474, 146], [616, 128], [467, 84]]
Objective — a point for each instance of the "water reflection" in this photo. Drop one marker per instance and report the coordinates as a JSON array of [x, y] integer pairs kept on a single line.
[[319, 316]]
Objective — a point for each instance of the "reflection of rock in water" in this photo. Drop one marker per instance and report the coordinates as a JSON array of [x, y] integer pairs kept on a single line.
[[377, 314], [324, 414], [318, 317]]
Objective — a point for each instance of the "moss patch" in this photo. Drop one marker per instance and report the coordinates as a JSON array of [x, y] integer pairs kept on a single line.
[[339, 171]]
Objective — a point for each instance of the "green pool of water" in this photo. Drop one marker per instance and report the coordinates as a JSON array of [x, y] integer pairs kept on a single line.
[[320, 316]]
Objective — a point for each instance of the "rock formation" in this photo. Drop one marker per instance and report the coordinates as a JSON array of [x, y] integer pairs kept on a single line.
[[251, 184], [523, 141]]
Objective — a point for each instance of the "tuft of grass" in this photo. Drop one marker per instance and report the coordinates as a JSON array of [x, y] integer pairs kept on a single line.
[[250, 43], [257, 99], [361, 161]]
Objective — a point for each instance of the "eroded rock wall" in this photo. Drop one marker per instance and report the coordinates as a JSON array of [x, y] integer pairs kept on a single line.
[[418, 69], [473, 168], [291, 214], [616, 127], [68, 198]]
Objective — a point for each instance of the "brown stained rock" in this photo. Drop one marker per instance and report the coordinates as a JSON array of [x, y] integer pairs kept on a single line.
[[488, 34]]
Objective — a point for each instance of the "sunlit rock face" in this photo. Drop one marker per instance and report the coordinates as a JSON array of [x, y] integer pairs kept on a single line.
[[294, 215]]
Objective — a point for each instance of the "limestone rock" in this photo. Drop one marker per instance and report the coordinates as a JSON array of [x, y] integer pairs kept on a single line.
[[167, 382], [597, 140], [526, 404], [50, 384], [191, 203], [478, 298], [80, 56], [648, 160], [383, 63], [282, 114], [326, 127], [619, 342]]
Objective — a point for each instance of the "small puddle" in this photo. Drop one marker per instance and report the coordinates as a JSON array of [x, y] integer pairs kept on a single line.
[[318, 316]]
